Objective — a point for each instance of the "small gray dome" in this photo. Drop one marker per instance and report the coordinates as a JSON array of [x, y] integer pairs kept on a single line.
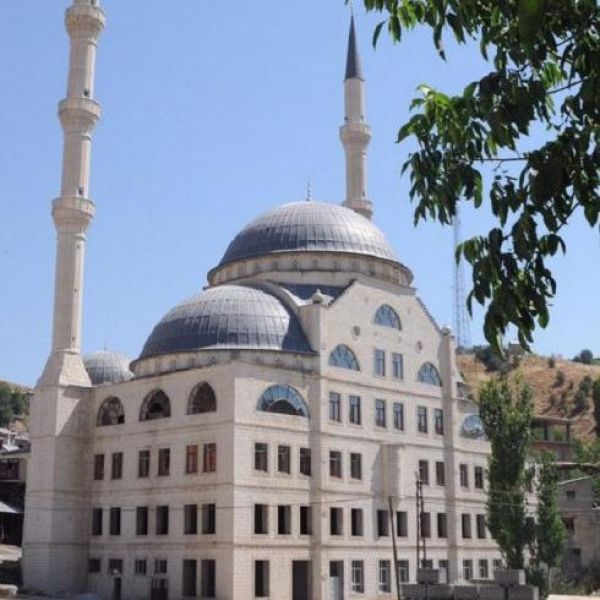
[[312, 227], [227, 317], [104, 366]]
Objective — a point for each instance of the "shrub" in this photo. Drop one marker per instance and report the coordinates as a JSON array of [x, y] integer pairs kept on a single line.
[[492, 361], [586, 384], [580, 402], [551, 362], [585, 356], [559, 378]]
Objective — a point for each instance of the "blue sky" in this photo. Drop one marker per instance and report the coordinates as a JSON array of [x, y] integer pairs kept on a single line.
[[212, 113]]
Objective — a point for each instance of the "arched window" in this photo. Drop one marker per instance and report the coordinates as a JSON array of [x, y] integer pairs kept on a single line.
[[110, 413], [387, 317], [283, 399], [429, 374], [202, 400], [156, 405], [343, 357]]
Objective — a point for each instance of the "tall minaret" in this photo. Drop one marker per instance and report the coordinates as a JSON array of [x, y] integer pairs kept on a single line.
[[355, 133], [73, 210], [57, 513]]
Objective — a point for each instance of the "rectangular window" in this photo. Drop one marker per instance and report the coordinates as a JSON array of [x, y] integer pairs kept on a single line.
[[438, 416], [399, 416], [570, 495], [442, 525], [208, 572], [190, 519], [141, 520], [440, 473], [305, 520], [116, 471], [335, 412], [424, 471], [160, 566], [189, 574], [467, 570], [94, 565], [402, 523], [209, 518], [98, 467], [425, 525], [384, 579], [191, 459], [464, 475], [379, 363], [140, 566], [484, 571], [336, 521], [164, 461], [356, 522], [261, 578], [162, 520], [569, 523], [357, 576], [497, 564], [305, 466], [283, 459], [261, 518], [115, 565], [355, 465], [444, 567], [354, 410], [380, 413], [481, 533], [479, 478], [466, 525], [383, 523], [284, 519], [403, 571], [114, 521], [97, 521], [335, 464], [261, 457], [397, 366], [422, 419], [209, 458], [144, 463]]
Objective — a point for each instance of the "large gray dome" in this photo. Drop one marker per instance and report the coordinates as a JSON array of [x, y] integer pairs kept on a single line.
[[104, 366], [227, 317], [309, 226]]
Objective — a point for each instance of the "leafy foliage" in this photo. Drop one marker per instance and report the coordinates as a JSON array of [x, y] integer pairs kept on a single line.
[[551, 534], [596, 400], [12, 403], [585, 356], [506, 410], [560, 378], [544, 60]]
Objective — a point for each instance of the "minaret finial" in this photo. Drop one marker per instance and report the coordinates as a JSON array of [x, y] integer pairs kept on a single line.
[[355, 133], [309, 195]]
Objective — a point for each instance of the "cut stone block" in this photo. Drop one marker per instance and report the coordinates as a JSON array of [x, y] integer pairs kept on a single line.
[[509, 577], [429, 576]]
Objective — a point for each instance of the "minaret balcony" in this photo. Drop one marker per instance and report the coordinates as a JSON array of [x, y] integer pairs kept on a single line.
[[78, 112], [86, 20], [73, 213]]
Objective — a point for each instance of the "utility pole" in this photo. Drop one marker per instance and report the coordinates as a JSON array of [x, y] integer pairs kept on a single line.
[[418, 516], [394, 547]]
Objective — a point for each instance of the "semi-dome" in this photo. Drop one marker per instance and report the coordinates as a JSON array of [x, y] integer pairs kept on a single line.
[[104, 366], [308, 226], [227, 317]]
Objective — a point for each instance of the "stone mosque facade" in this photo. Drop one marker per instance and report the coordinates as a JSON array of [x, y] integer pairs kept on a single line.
[[267, 441]]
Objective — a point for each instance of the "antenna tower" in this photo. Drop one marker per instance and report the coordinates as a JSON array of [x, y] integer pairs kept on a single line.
[[462, 327]]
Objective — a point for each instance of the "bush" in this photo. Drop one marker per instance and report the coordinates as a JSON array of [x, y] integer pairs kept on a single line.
[[559, 378], [551, 362], [585, 356], [492, 361], [586, 385], [580, 402]]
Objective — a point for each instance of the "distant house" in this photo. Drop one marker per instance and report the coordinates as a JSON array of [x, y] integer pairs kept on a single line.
[[581, 515]]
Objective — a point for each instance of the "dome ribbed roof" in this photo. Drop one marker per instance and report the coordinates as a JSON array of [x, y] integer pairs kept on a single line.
[[309, 226], [227, 317], [104, 366]]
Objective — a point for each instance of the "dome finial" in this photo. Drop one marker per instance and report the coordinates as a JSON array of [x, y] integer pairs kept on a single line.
[[309, 195]]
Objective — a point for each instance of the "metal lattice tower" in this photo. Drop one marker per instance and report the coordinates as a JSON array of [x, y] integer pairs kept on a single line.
[[462, 327]]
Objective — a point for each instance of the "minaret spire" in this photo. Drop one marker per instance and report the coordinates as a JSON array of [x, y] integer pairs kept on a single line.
[[73, 211], [355, 134]]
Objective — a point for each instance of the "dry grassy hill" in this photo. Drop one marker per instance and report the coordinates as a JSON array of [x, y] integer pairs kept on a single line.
[[551, 396]]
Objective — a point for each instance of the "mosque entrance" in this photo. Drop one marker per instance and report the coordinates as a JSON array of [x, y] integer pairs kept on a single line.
[[336, 580], [301, 580]]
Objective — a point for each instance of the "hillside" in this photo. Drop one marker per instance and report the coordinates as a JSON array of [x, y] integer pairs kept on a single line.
[[551, 395]]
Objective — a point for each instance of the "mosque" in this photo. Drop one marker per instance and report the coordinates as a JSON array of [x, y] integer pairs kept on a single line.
[[267, 441]]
